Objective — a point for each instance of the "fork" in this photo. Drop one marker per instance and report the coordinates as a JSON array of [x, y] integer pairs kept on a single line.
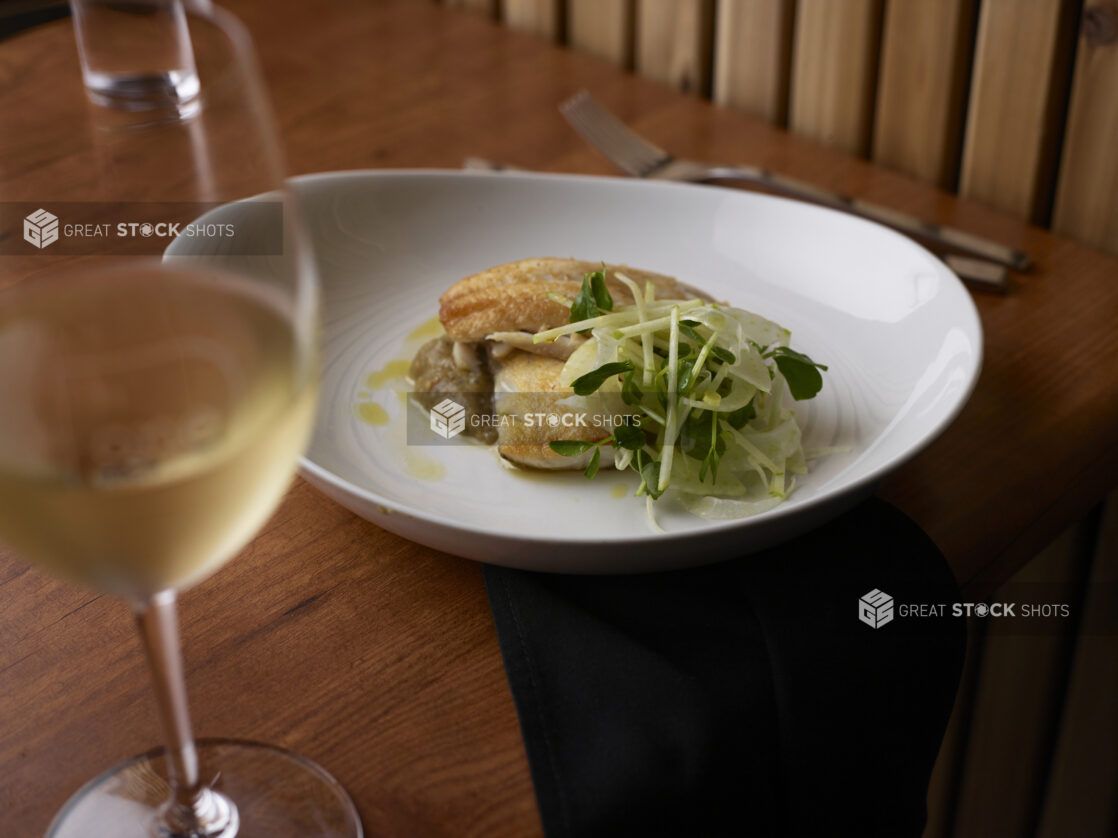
[[638, 157]]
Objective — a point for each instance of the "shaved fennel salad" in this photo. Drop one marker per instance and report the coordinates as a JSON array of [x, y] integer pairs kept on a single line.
[[704, 387]]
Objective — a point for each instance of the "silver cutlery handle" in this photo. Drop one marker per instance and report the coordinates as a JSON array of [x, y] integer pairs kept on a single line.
[[982, 273], [902, 222]]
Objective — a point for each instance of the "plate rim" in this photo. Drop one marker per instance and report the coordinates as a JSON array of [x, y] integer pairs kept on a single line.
[[314, 472]]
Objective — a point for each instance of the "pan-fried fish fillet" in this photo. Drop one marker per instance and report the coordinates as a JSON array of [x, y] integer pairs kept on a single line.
[[514, 297], [509, 302], [527, 385]]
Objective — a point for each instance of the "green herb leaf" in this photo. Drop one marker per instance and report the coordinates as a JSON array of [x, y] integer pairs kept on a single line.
[[650, 472], [571, 447], [593, 297], [683, 377], [584, 385], [694, 436], [630, 392], [700, 440], [688, 328], [683, 350], [595, 461], [789, 352], [724, 355], [628, 437], [717, 449], [801, 373], [660, 381], [738, 418], [601, 292], [585, 306]]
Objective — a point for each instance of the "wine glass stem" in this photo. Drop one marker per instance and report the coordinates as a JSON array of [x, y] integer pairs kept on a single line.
[[192, 809]]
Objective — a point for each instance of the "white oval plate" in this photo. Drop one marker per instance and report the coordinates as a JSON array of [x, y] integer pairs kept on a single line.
[[898, 330]]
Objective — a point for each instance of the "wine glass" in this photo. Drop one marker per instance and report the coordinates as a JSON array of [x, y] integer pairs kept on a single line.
[[158, 370]]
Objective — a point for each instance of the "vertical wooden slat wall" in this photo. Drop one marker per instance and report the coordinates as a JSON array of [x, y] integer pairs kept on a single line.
[[943, 786], [1019, 694], [925, 61], [1014, 114], [753, 56], [834, 71], [1079, 798], [541, 17], [895, 80], [603, 28], [674, 42], [1087, 199]]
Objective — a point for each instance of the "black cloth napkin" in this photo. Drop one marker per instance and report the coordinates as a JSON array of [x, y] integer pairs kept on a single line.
[[744, 698]]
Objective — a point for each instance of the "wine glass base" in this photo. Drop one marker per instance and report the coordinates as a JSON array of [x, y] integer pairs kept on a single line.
[[278, 794]]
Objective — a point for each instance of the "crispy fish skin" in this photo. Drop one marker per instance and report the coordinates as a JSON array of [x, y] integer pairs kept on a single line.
[[526, 384], [514, 296]]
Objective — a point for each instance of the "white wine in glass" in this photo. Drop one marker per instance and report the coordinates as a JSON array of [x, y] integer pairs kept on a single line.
[[155, 394], [157, 412]]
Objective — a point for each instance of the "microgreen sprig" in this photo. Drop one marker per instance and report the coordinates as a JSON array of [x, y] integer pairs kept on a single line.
[[700, 377], [589, 383], [593, 298], [801, 373], [627, 437]]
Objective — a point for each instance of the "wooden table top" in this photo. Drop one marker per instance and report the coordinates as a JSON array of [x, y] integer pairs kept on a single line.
[[378, 657]]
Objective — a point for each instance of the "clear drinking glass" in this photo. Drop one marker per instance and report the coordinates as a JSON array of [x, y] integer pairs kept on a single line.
[[158, 369], [135, 55]]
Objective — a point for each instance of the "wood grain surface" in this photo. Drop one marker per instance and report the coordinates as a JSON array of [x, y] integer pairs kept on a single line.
[[1018, 695], [378, 657], [673, 41], [1087, 197], [925, 59], [603, 28], [834, 71], [1014, 113], [543, 17], [1084, 767], [753, 56]]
